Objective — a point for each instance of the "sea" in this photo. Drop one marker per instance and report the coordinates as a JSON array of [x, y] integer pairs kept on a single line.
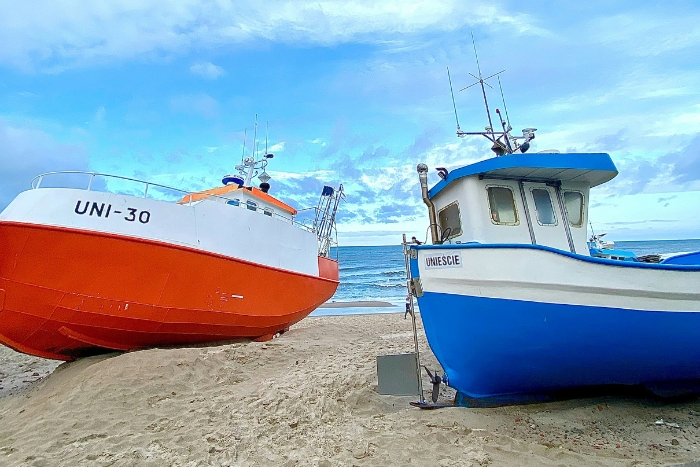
[[377, 273]]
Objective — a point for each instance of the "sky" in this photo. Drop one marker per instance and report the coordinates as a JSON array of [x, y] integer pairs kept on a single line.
[[355, 92]]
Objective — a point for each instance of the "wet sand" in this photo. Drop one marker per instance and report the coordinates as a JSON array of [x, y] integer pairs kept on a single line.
[[308, 398]]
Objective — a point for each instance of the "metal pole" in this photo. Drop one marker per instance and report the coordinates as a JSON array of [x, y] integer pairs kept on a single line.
[[527, 212], [145, 192], [413, 319], [92, 177], [565, 218]]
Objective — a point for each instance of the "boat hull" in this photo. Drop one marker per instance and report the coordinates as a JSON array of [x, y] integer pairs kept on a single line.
[[496, 347], [65, 293], [533, 320]]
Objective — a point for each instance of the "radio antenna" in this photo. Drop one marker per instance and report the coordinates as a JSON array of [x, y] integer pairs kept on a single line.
[[267, 131], [255, 136], [245, 136], [504, 101], [454, 106], [481, 81]]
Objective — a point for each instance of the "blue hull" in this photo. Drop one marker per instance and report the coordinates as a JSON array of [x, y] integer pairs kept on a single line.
[[495, 348]]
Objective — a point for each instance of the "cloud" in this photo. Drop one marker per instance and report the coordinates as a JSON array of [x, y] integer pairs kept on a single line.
[[614, 141], [647, 32], [674, 171], [686, 162], [277, 147], [207, 70], [666, 200], [201, 104], [651, 221], [393, 213], [28, 152], [53, 35]]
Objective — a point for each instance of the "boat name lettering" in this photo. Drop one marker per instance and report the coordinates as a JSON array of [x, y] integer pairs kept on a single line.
[[92, 208], [443, 260]]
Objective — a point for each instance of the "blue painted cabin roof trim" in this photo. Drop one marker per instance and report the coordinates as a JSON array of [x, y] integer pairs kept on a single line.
[[591, 168]]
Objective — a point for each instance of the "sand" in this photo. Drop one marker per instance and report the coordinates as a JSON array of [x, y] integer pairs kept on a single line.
[[308, 398], [357, 304]]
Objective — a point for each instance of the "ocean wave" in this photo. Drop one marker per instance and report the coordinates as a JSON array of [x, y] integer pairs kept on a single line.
[[394, 273]]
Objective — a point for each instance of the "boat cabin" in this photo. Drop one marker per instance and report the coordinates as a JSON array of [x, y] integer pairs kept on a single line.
[[251, 198], [538, 198]]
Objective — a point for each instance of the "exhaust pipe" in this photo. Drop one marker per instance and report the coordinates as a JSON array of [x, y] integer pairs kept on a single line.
[[423, 178]]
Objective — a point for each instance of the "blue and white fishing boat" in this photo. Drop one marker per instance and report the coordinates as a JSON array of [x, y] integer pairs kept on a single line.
[[513, 304]]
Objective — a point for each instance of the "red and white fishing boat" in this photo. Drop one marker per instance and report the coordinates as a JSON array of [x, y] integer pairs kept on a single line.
[[84, 270]]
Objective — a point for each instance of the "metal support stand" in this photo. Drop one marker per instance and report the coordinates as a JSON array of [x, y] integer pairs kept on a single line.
[[413, 317]]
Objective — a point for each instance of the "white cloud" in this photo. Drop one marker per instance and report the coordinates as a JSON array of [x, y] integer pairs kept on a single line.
[[207, 70], [53, 35], [648, 33], [319, 141], [277, 147]]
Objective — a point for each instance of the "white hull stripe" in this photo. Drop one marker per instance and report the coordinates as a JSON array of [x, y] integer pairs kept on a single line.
[[536, 275]]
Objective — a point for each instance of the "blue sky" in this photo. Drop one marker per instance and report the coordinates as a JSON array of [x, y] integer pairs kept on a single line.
[[355, 92]]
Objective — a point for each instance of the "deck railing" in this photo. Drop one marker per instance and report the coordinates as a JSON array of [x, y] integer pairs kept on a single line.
[[188, 197]]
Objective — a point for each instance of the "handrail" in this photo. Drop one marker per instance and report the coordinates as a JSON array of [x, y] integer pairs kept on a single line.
[[40, 177], [36, 183]]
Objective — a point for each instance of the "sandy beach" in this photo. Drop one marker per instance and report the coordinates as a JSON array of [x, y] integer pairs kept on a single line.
[[308, 398]]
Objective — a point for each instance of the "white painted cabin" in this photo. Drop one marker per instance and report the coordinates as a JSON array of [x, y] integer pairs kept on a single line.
[[539, 199]]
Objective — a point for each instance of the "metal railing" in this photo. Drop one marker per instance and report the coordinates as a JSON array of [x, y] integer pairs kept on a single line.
[[37, 181]]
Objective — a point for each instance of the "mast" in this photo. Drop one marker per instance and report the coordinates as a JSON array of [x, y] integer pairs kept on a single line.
[[483, 89], [503, 141]]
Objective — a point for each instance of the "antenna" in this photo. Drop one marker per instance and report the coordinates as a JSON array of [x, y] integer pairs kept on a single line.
[[483, 90], [482, 81], [505, 143], [245, 136], [504, 101], [267, 131], [453, 100], [255, 136]]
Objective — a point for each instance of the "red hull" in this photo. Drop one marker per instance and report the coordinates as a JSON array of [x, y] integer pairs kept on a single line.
[[66, 293]]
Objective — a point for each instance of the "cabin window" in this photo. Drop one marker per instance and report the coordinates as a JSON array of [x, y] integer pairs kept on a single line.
[[450, 222], [502, 205], [573, 202], [267, 212], [252, 205], [543, 206], [234, 202]]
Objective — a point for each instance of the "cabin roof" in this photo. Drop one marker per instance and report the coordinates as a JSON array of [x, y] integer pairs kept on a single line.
[[591, 168], [256, 192]]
